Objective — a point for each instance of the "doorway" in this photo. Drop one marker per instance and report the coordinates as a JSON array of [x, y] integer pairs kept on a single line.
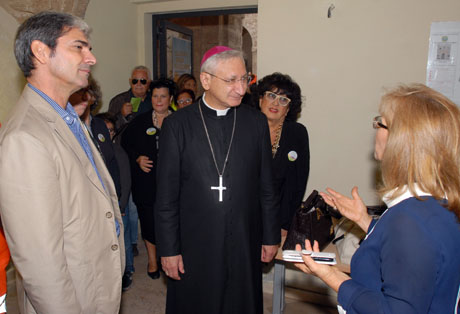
[[180, 39]]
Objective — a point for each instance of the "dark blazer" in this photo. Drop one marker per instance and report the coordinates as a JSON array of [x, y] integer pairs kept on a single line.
[[291, 167], [125, 175], [101, 137], [141, 138]]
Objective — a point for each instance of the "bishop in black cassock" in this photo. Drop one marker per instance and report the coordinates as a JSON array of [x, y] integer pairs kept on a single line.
[[220, 243]]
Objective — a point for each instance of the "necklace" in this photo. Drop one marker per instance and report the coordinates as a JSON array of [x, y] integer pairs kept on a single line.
[[276, 144], [155, 118], [221, 186]]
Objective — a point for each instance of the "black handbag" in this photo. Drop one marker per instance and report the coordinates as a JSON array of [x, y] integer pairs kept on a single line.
[[312, 221]]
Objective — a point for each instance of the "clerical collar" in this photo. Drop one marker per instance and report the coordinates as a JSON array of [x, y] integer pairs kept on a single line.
[[222, 112]]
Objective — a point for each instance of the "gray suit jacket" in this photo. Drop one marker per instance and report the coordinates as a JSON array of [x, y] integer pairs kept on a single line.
[[57, 216]]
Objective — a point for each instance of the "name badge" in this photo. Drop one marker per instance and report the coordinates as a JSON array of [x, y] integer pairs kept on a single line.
[[151, 131], [292, 155]]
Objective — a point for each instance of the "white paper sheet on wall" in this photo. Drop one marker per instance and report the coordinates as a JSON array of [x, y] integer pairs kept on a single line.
[[443, 68]]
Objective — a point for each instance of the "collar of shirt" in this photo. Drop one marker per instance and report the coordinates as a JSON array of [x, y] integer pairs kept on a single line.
[[68, 114], [222, 112], [407, 194]]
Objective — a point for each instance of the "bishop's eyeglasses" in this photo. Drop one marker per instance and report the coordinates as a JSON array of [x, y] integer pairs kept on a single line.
[[244, 80]]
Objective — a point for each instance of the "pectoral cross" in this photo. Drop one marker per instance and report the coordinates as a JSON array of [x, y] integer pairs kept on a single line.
[[221, 188]]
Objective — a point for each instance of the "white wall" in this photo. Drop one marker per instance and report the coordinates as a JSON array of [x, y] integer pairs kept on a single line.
[[341, 64], [114, 40], [11, 78]]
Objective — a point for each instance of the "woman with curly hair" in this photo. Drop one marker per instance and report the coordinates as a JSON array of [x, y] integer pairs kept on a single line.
[[280, 99]]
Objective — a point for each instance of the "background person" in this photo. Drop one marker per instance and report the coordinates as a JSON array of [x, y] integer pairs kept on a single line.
[[123, 105], [187, 81], [184, 98], [124, 199], [83, 101], [279, 98], [141, 142], [409, 260]]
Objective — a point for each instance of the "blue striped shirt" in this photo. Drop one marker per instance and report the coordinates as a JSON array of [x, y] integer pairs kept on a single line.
[[72, 120]]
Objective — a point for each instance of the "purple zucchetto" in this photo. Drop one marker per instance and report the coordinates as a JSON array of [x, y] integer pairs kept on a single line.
[[213, 51]]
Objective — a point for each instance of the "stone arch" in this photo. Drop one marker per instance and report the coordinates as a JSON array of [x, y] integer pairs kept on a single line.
[[22, 9]]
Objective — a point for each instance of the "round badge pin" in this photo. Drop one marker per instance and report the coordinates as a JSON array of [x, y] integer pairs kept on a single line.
[[101, 137], [151, 131], [292, 155]]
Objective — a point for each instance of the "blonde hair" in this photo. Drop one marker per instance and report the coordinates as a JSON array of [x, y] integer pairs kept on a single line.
[[423, 144]]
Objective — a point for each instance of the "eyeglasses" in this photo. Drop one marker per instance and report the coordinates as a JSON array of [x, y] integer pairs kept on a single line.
[[184, 101], [378, 123], [245, 79], [143, 81], [85, 94], [282, 100]]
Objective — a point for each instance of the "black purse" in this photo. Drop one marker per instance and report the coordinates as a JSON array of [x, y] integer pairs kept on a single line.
[[312, 221]]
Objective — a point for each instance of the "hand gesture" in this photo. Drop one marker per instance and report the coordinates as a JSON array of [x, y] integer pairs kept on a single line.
[[172, 265], [354, 209], [144, 163]]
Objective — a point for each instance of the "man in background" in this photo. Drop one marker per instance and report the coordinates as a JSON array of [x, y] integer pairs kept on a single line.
[[58, 202], [134, 101]]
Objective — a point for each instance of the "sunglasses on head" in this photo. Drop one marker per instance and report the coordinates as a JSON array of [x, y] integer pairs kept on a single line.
[[143, 81]]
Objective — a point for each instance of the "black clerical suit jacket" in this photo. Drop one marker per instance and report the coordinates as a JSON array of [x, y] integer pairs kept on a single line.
[[220, 242]]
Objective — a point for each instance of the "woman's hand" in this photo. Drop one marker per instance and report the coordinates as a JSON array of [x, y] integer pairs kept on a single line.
[[354, 209], [329, 274], [144, 163]]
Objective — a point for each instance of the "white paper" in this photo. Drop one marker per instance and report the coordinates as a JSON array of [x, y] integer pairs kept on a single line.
[[443, 67]]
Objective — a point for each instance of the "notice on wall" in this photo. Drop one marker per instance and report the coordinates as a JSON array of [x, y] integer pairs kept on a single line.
[[443, 68]]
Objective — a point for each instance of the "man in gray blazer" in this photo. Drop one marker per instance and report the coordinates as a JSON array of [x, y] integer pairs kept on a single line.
[[57, 200]]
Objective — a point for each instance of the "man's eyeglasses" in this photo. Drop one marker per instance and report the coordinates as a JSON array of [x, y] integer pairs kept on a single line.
[[378, 123], [282, 100], [243, 80], [143, 81], [185, 101]]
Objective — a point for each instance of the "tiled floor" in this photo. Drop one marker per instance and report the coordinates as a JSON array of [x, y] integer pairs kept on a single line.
[[148, 296]]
